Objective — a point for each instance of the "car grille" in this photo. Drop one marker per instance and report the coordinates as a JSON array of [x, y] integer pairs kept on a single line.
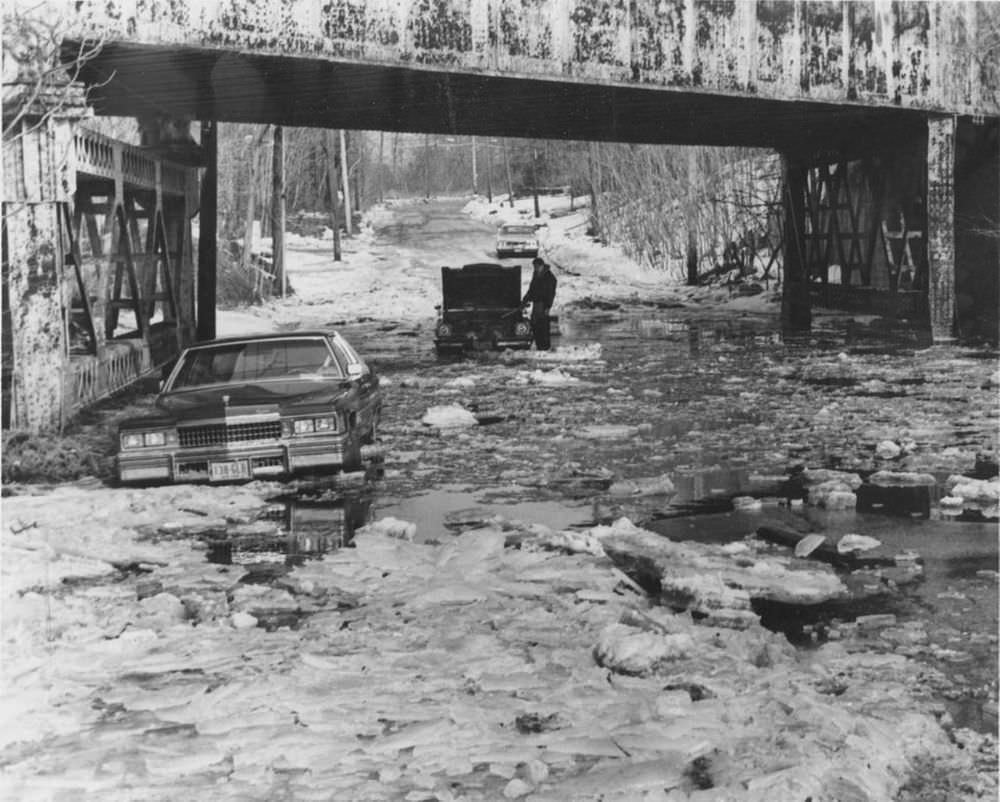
[[219, 434]]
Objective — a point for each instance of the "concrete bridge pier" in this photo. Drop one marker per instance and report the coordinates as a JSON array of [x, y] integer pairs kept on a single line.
[[38, 179], [873, 228], [796, 311], [941, 227]]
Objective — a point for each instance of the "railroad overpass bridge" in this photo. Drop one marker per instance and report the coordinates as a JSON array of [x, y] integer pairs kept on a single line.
[[886, 115]]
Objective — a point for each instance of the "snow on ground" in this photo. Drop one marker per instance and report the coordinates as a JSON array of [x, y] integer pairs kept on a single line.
[[380, 279]]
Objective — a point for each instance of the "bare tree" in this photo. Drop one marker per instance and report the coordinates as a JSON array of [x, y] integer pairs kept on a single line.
[[39, 80]]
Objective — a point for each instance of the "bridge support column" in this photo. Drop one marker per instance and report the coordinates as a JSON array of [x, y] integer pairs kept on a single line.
[[208, 234], [941, 226], [796, 314], [39, 176]]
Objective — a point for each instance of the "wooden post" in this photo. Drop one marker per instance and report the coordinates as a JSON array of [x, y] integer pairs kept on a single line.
[[489, 170], [278, 209], [208, 224], [941, 226]]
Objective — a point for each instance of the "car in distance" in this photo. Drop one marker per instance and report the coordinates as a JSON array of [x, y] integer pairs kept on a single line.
[[517, 240], [481, 309], [256, 407]]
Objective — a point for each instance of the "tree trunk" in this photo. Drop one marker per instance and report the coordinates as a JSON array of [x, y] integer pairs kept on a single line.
[[489, 171], [278, 211], [595, 191], [347, 184], [534, 179], [379, 168], [692, 256], [331, 173], [248, 216], [427, 166], [506, 164], [475, 178]]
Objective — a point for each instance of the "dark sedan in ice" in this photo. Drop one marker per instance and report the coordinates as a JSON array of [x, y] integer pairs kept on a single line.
[[257, 407]]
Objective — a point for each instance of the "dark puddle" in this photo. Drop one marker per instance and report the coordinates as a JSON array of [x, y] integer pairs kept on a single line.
[[290, 532], [952, 608]]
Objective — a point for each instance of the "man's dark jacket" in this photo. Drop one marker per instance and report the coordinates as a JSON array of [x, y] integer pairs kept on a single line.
[[541, 290]]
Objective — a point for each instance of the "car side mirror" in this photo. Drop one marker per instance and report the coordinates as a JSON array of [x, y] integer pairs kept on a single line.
[[151, 384]]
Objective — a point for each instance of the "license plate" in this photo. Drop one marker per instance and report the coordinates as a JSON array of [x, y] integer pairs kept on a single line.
[[228, 471]]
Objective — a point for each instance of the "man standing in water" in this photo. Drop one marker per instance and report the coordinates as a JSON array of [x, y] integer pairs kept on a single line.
[[541, 293]]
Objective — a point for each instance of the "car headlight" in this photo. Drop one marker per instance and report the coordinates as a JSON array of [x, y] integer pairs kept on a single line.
[[443, 330], [129, 440], [327, 423], [522, 329]]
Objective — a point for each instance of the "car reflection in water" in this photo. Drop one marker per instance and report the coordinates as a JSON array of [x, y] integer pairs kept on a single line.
[[302, 530]]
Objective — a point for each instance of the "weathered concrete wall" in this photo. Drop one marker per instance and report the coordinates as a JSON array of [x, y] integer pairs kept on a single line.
[[37, 176], [941, 226], [925, 55]]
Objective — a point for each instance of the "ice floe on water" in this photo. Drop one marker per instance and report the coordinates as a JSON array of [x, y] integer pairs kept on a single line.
[[449, 416]]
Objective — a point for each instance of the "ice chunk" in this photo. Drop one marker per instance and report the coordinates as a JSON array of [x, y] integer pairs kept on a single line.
[[449, 416], [857, 543]]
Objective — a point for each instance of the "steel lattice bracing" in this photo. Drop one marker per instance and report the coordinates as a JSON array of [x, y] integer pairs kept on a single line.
[[118, 277]]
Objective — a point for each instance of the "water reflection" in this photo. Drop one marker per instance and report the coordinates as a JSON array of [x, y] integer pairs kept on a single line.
[[292, 531]]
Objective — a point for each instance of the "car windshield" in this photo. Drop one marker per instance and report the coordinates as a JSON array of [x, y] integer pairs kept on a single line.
[[253, 361], [517, 230]]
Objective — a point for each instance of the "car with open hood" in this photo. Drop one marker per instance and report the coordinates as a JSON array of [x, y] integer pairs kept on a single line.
[[264, 406], [481, 309], [516, 239]]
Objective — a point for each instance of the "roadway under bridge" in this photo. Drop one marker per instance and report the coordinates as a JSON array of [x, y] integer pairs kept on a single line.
[[886, 115]]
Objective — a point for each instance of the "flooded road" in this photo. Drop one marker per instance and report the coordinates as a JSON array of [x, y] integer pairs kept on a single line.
[[559, 598], [722, 410]]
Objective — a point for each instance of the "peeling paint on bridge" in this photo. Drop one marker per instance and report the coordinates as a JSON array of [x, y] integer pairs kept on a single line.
[[911, 54]]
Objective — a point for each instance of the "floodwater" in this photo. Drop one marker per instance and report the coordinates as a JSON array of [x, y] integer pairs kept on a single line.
[[725, 408]]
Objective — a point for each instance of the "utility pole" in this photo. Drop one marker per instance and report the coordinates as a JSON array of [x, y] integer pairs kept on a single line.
[[381, 148], [475, 179], [347, 183], [331, 175], [506, 164], [427, 166], [693, 180], [208, 237], [489, 170], [595, 216], [278, 209], [534, 177]]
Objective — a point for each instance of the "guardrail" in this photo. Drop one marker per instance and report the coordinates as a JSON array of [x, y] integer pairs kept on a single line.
[[101, 156]]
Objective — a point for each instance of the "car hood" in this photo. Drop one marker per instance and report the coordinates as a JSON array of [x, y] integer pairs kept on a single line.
[[482, 286], [259, 396]]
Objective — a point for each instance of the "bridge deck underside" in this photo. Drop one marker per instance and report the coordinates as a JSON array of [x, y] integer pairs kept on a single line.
[[128, 80]]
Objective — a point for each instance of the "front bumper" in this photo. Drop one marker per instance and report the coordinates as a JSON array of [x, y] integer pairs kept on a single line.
[[458, 344], [270, 460]]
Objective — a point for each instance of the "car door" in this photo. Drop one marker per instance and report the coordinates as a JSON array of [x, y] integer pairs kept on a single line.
[[366, 382]]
